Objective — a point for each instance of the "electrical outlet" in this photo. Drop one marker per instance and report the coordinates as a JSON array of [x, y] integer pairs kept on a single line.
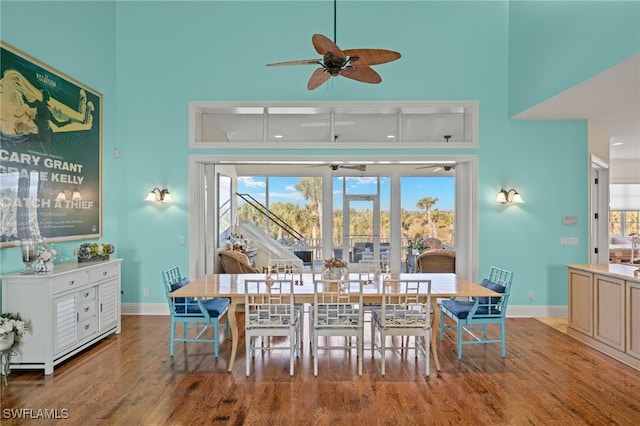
[[146, 292], [531, 295]]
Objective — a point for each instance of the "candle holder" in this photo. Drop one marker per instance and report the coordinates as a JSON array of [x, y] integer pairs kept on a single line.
[[28, 255]]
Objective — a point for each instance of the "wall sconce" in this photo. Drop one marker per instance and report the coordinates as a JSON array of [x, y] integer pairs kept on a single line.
[[510, 196], [67, 194], [159, 196]]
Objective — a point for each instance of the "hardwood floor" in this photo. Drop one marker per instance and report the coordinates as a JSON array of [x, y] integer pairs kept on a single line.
[[547, 378]]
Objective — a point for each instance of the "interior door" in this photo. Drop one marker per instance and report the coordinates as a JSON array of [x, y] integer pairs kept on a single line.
[[361, 228]]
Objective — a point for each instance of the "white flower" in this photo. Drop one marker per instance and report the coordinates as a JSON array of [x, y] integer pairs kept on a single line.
[[11, 322]]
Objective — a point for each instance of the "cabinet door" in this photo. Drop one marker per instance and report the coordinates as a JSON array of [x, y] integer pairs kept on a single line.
[[581, 301], [633, 319], [609, 311], [65, 330], [108, 304]]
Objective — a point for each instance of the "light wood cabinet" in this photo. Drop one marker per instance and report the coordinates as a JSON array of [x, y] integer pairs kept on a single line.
[[608, 310], [604, 309], [633, 319], [581, 297], [67, 310]]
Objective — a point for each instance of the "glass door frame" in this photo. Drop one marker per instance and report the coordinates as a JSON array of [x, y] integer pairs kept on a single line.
[[347, 243]]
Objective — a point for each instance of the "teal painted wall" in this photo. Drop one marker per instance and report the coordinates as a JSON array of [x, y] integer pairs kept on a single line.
[[78, 39], [151, 58], [555, 45]]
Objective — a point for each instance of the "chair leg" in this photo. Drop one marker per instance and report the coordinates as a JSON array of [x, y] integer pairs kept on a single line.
[[315, 355], [502, 339], [301, 309], [460, 329], [247, 355], [293, 348], [383, 350], [373, 338], [216, 335], [173, 336], [360, 350], [427, 352]]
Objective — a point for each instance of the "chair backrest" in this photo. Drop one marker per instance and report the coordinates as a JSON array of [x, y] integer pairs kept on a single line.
[[171, 276], [406, 303], [367, 269], [286, 268], [432, 242], [499, 280], [235, 262], [333, 303], [437, 261], [269, 302], [183, 306]]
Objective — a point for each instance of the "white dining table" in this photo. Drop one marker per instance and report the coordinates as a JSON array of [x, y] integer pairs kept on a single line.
[[443, 285]]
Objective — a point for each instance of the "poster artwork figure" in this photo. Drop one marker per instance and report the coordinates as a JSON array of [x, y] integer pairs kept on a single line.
[[29, 114]]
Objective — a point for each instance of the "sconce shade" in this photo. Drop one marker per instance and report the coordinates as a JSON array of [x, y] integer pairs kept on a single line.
[[510, 196], [159, 196], [67, 194]]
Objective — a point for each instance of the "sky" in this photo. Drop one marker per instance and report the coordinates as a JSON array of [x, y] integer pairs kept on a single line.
[[282, 189]]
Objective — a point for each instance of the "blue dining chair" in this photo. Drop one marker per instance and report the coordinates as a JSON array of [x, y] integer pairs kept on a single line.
[[476, 314], [193, 313]]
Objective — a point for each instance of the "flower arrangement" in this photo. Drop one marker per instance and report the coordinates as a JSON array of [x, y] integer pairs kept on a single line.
[[334, 263], [635, 239], [419, 245], [46, 254], [91, 251], [12, 323]]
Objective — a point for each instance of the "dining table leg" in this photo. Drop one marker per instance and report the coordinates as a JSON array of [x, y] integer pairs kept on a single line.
[[233, 324], [435, 331]]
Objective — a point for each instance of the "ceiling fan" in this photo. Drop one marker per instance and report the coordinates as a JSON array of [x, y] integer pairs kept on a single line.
[[438, 167], [352, 63], [334, 167]]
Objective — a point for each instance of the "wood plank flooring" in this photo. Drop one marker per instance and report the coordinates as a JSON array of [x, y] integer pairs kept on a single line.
[[548, 378]]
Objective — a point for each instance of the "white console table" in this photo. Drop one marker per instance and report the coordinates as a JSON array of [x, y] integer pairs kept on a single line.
[[67, 310]]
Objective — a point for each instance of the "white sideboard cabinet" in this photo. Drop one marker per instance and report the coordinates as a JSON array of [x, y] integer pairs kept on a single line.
[[67, 310]]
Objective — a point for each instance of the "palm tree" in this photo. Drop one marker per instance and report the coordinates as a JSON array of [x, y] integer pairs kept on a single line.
[[426, 203], [311, 189]]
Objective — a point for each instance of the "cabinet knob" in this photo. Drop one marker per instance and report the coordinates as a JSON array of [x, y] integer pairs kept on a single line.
[[105, 273], [86, 309], [72, 282], [86, 327]]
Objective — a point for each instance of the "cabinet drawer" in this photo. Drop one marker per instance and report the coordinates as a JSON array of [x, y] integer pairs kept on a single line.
[[87, 294], [86, 310], [70, 282], [103, 272], [86, 328]]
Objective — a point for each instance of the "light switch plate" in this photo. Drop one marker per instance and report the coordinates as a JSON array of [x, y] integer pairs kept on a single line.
[[569, 241], [569, 220]]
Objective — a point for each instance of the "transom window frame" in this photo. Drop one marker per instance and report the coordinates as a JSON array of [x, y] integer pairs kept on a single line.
[[464, 137]]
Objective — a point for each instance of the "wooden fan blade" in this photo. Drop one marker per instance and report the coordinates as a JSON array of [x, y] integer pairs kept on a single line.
[[363, 74], [367, 57], [301, 62], [318, 77], [323, 45]]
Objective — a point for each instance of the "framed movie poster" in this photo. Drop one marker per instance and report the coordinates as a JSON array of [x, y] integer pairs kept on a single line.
[[50, 153]]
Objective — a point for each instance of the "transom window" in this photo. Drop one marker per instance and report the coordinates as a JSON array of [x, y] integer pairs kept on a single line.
[[432, 124]]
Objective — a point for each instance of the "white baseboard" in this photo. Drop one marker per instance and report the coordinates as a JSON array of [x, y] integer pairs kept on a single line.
[[517, 311], [541, 311], [144, 309]]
